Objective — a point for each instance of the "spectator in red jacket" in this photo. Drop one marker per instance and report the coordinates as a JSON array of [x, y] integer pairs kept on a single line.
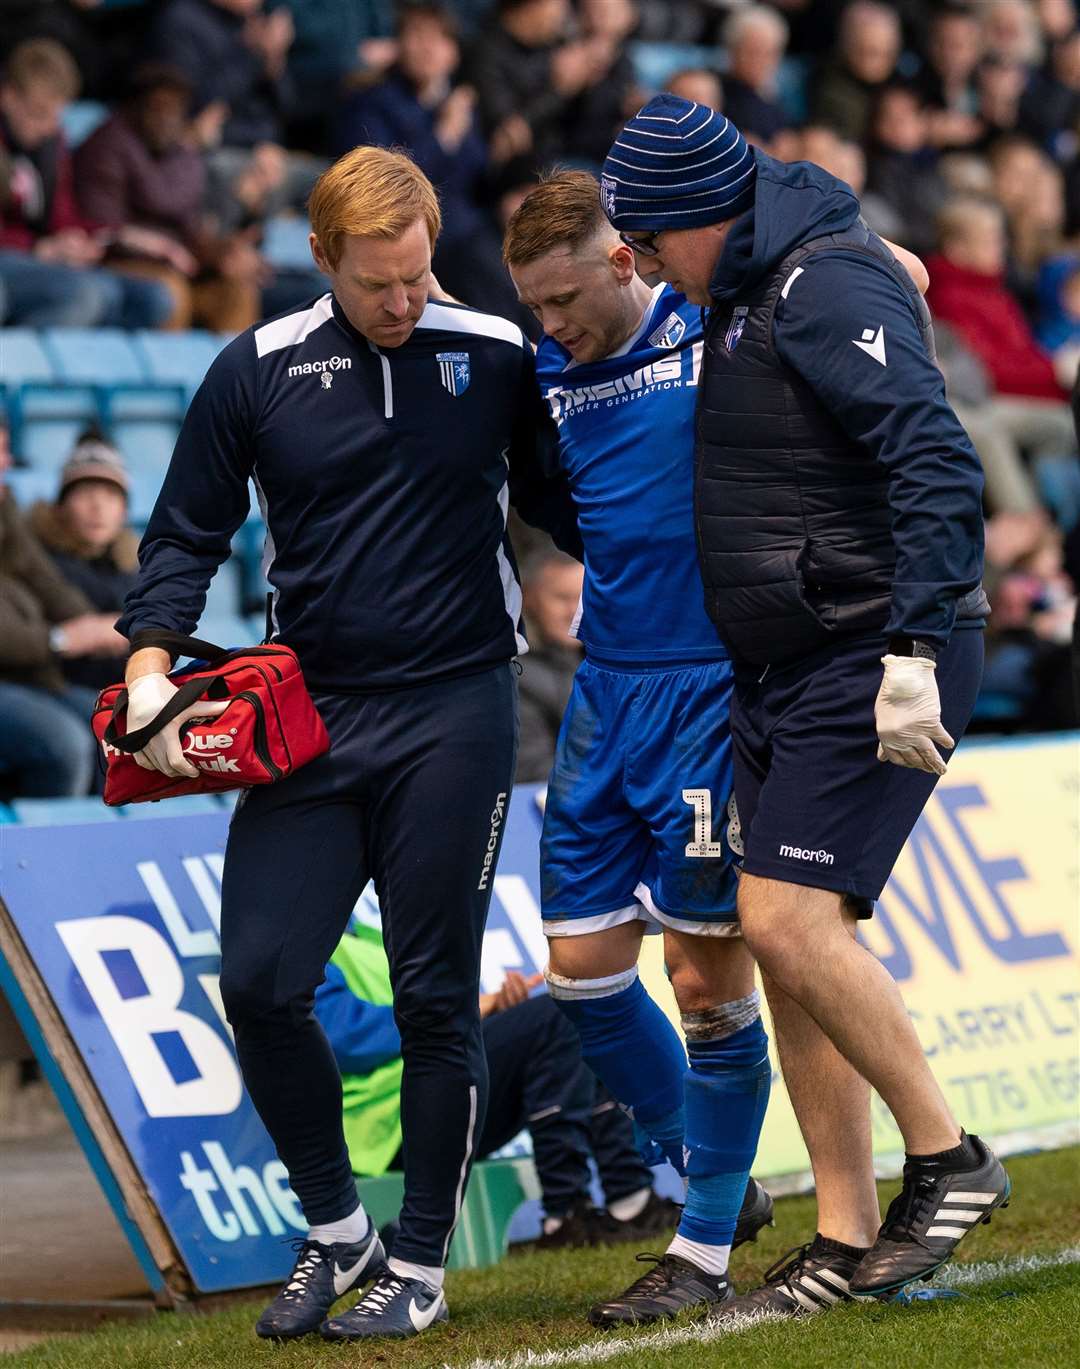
[[967, 289], [140, 176], [1026, 410], [48, 255]]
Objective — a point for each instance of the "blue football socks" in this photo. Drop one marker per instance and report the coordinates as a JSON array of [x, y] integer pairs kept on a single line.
[[727, 1092], [629, 1043]]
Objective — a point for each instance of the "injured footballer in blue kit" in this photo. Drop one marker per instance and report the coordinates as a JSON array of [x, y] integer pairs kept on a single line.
[[637, 830]]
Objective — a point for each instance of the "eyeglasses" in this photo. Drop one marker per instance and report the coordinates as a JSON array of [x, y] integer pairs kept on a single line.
[[644, 246]]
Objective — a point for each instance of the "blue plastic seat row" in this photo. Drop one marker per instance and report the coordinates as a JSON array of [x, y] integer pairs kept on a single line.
[[101, 374]]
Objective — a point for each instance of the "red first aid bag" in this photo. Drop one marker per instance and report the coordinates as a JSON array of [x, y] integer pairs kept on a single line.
[[270, 728]]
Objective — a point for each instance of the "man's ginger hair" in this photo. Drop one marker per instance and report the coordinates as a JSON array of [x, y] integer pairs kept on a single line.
[[371, 193], [563, 210]]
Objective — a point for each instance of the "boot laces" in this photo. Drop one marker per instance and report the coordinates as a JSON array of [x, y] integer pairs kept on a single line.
[[379, 1296], [788, 1267], [910, 1206], [312, 1254]]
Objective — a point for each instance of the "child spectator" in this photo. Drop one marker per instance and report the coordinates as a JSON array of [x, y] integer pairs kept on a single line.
[[48, 256], [47, 749], [85, 532]]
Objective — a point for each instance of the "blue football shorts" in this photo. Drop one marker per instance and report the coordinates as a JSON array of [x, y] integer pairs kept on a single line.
[[639, 821]]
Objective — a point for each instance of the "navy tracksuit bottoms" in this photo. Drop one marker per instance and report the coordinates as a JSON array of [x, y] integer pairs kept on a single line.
[[412, 794]]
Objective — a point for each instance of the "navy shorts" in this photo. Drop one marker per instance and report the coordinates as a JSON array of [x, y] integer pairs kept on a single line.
[[816, 806]]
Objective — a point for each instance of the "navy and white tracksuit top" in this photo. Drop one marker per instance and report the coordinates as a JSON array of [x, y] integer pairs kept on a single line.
[[384, 479]]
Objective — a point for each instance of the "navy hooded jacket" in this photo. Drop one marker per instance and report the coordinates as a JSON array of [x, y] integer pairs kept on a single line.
[[846, 361]]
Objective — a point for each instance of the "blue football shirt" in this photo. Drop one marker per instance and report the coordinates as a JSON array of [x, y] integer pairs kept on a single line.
[[626, 437]]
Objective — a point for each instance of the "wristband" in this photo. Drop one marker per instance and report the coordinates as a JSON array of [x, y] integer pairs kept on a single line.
[[912, 646]]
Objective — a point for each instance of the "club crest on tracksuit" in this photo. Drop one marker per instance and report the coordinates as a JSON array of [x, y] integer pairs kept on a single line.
[[735, 327], [454, 371], [669, 334]]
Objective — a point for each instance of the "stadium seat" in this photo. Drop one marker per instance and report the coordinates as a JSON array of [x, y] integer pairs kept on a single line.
[[107, 360], [285, 243], [178, 358], [146, 444], [23, 359], [46, 443], [31, 386], [60, 812], [145, 487]]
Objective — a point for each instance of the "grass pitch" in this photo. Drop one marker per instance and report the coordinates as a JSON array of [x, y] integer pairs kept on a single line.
[[1019, 1309]]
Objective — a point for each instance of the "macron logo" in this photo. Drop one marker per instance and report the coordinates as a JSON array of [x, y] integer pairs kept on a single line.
[[873, 344], [308, 368], [799, 853], [497, 815]]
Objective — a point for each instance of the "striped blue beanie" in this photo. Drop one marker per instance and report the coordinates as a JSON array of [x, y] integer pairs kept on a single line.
[[676, 164]]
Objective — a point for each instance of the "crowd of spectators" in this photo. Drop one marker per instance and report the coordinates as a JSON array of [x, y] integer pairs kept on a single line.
[[958, 124]]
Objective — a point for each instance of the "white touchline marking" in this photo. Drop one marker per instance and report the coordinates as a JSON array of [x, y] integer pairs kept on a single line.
[[607, 1348]]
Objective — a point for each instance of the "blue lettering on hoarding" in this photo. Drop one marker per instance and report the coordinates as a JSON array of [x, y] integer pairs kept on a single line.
[[937, 873], [1016, 945]]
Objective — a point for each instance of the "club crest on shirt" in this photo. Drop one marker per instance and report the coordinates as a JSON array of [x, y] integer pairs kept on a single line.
[[454, 371], [735, 327], [607, 195], [669, 334]]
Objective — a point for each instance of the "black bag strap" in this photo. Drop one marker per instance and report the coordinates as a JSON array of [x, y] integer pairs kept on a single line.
[[205, 686], [177, 644]]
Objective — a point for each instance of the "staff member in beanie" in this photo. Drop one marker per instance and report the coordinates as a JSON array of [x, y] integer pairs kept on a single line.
[[837, 501]]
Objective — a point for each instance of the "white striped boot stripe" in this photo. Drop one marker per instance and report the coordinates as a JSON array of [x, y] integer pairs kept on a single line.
[[810, 1283], [960, 1214], [837, 1279], [948, 1231], [959, 1197], [803, 1299]]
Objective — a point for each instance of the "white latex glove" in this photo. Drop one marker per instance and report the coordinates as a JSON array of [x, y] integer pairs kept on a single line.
[[907, 712], [146, 698]]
